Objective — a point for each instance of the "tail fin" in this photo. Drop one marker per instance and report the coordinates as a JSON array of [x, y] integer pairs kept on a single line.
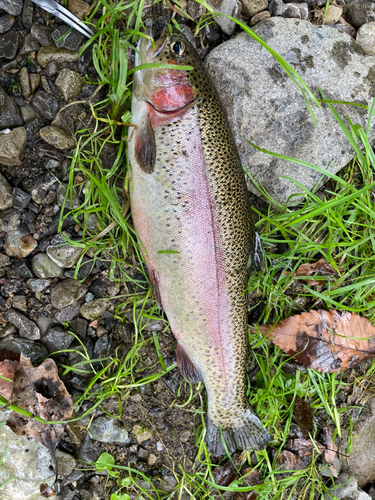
[[249, 436]]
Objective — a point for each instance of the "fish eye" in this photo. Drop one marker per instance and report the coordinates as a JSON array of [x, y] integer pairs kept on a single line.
[[178, 47]]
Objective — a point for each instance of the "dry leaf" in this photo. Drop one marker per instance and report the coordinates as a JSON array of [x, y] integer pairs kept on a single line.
[[7, 370], [326, 439], [321, 268], [41, 392], [46, 491], [304, 416], [327, 341], [227, 473], [286, 460], [303, 447], [251, 478]]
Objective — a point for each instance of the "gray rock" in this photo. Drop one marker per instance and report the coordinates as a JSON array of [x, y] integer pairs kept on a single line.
[[195, 9], [107, 429], [32, 129], [6, 23], [7, 329], [67, 292], [52, 68], [45, 84], [266, 108], [61, 193], [27, 14], [9, 112], [12, 147], [94, 309], [79, 326], [41, 33], [9, 44], [64, 255], [344, 28], [19, 243], [20, 303], [57, 339], [366, 37], [9, 220], [41, 186], [65, 464], [67, 313], [252, 7], [6, 196], [52, 164], [73, 40], [44, 267], [57, 137], [48, 54], [347, 488], [27, 328], [21, 269], [20, 199], [12, 7], [358, 12], [293, 10], [69, 83], [45, 105], [25, 82], [44, 323], [88, 451], [362, 456], [26, 461], [230, 8], [38, 285], [4, 260], [29, 45], [89, 297], [29, 348]]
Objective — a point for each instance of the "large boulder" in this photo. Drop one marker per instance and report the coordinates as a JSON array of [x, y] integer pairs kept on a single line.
[[265, 107]]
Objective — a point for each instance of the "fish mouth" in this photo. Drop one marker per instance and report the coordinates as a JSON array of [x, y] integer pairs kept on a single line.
[[173, 112]]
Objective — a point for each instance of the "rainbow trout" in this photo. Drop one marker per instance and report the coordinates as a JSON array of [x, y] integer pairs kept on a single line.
[[191, 212]]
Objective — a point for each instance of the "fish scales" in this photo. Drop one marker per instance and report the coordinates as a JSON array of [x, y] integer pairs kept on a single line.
[[192, 214]]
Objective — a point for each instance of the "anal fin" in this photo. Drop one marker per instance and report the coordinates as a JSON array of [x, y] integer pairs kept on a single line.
[[257, 255], [187, 368]]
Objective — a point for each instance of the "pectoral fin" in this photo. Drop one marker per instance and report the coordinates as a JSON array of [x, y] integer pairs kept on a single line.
[[145, 147]]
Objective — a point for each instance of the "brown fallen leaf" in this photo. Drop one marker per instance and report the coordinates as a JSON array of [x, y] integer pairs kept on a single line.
[[7, 370], [41, 392], [327, 341], [252, 478], [227, 473], [304, 416], [326, 439], [303, 447], [286, 461], [46, 491], [321, 268]]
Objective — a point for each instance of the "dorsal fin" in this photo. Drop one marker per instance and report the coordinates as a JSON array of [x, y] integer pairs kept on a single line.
[[187, 368]]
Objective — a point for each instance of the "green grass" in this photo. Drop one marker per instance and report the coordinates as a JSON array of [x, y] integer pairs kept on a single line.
[[338, 224]]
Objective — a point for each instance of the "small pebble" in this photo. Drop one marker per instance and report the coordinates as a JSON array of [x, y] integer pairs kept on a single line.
[[94, 309], [43, 267]]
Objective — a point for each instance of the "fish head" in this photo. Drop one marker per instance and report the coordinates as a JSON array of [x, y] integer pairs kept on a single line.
[[167, 89]]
